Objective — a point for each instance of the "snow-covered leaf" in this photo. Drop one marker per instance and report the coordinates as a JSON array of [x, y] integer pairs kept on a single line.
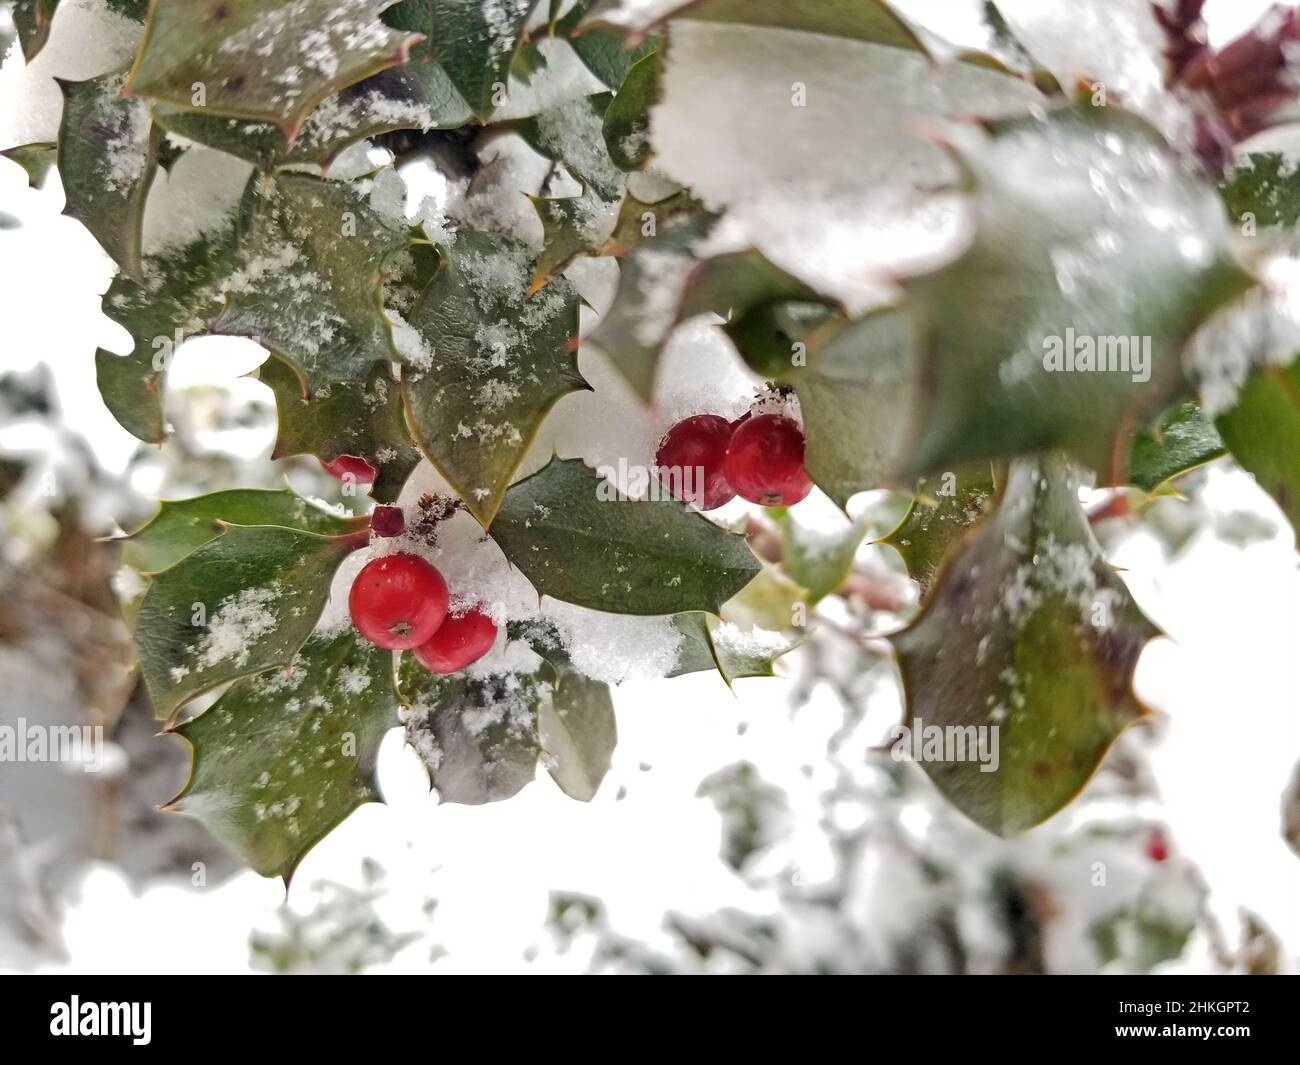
[[283, 757], [361, 418], [578, 734], [1264, 191], [1030, 630], [272, 60], [490, 364], [308, 284], [241, 603], [108, 156], [572, 133], [945, 506], [627, 119], [477, 736], [475, 41], [182, 526], [569, 534]]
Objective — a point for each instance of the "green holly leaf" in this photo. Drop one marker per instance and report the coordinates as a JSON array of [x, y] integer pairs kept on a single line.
[[571, 226], [180, 296], [564, 528], [240, 604], [1262, 430], [182, 526], [1183, 440], [1027, 629], [856, 381], [604, 51], [272, 60], [35, 158], [735, 650], [1264, 191], [1087, 272], [945, 506], [108, 157], [496, 363], [362, 418], [573, 134], [818, 561], [282, 758], [32, 21], [309, 283], [477, 736], [578, 734], [627, 119], [475, 43]]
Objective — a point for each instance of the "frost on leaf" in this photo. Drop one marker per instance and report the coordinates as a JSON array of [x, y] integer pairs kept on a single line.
[[283, 757], [494, 363], [108, 155], [273, 60], [308, 280], [1028, 630], [241, 603], [477, 737], [1095, 255], [569, 534]]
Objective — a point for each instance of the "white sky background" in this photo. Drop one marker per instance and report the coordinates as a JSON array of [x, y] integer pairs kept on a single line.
[[1229, 685]]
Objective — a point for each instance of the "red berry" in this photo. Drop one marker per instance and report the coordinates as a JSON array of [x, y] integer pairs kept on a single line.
[[387, 521], [460, 641], [398, 601], [764, 461], [347, 467], [689, 461], [1157, 847]]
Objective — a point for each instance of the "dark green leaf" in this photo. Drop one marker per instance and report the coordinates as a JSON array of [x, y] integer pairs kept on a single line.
[[475, 43], [182, 526], [282, 758], [1264, 191], [240, 604], [1184, 440], [497, 363], [627, 120], [1263, 433], [273, 60], [605, 52], [108, 156], [362, 418], [1027, 629], [564, 528]]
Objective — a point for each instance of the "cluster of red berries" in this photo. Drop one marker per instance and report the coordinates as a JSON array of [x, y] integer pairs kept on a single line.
[[399, 602], [758, 457]]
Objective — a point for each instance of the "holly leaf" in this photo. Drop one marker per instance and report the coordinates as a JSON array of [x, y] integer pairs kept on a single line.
[[1051, 286], [817, 560], [182, 526], [272, 60], [180, 297], [1027, 629], [1263, 433], [240, 604], [362, 418], [1264, 191], [477, 736], [735, 651], [604, 51], [578, 734], [573, 134], [35, 158], [945, 506], [569, 534], [571, 226], [1183, 440], [284, 757], [496, 363], [108, 157], [475, 43], [32, 20], [309, 283], [626, 127]]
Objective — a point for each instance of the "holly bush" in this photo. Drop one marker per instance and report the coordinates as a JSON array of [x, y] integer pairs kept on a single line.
[[957, 279]]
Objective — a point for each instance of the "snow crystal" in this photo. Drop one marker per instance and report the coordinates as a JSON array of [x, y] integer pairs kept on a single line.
[[125, 126], [239, 622], [354, 679], [748, 643]]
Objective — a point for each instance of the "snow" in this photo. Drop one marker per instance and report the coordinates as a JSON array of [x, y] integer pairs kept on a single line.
[[200, 193], [126, 146], [237, 624]]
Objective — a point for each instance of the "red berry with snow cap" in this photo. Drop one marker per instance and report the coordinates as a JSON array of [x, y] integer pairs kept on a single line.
[[690, 458], [398, 601], [764, 461], [458, 642]]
